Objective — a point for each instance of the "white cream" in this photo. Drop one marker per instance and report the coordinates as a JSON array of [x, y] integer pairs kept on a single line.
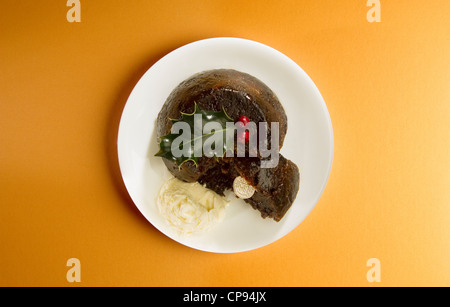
[[190, 207]]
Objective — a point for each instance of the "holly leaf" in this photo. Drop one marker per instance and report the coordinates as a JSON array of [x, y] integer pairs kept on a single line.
[[201, 133]]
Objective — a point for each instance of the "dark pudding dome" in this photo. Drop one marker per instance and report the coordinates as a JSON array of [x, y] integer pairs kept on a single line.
[[239, 95]]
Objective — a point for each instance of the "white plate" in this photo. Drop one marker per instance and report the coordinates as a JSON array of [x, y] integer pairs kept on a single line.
[[308, 143]]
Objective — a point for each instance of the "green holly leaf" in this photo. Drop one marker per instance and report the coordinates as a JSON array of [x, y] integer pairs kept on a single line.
[[202, 133]]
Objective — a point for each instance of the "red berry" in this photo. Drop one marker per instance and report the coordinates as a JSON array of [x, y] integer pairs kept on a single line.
[[246, 136], [244, 120], [243, 137]]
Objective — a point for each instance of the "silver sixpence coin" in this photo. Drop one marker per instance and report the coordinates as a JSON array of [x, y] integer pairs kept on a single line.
[[242, 189]]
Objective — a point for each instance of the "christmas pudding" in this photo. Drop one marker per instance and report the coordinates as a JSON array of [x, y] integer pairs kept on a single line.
[[217, 98]]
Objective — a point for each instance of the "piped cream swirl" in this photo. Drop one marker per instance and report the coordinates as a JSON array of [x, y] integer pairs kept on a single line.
[[190, 207]]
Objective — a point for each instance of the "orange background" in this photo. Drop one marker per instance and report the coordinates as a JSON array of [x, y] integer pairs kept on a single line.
[[63, 87]]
